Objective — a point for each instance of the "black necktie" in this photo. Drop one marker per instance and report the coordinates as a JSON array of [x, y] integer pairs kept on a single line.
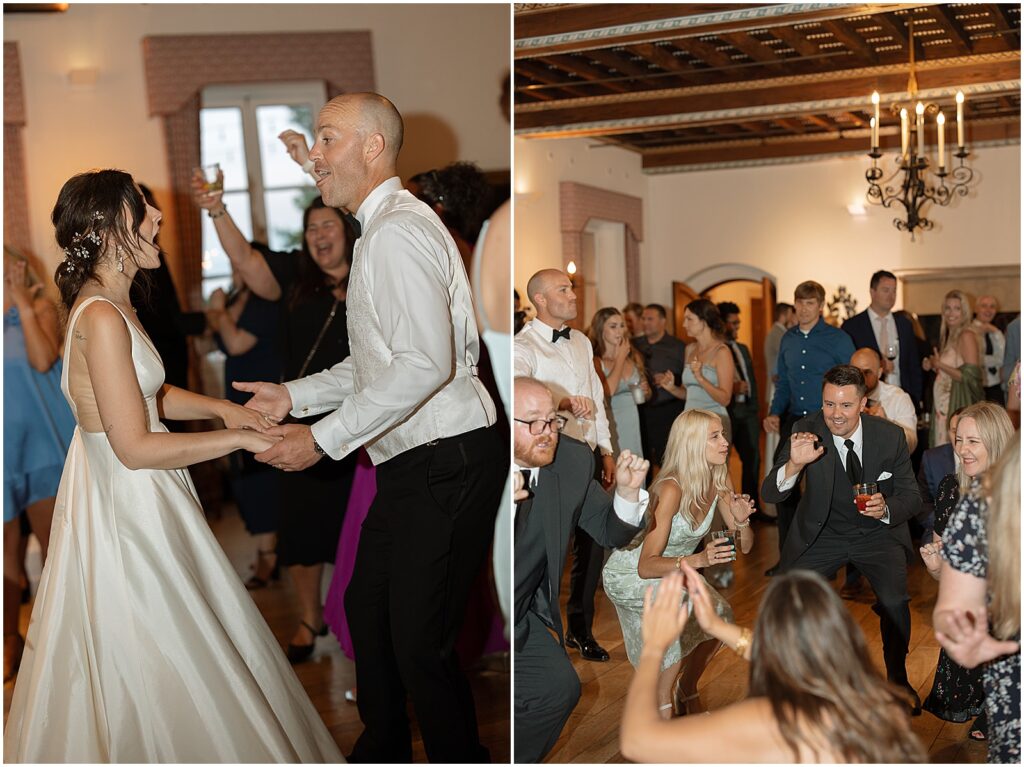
[[853, 470], [556, 334], [524, 506], [354, 223]]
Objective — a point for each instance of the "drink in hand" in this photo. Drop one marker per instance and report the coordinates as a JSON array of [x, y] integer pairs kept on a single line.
[[863, 493]]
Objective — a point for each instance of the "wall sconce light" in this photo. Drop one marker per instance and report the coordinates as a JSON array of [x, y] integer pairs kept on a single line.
[[571, 269], [856, 209], [83, 77]]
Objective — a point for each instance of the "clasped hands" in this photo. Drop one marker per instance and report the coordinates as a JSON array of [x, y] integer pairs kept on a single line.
[[295, 450]]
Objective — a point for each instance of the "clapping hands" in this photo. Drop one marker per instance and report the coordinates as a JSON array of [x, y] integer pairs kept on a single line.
[[665, 615]]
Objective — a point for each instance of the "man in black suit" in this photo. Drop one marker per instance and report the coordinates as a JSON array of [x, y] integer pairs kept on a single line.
[[874, 328], [562, 493], [837, 448], [743, 410]]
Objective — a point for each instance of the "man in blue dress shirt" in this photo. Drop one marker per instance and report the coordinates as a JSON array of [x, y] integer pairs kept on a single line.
[[807, 351]]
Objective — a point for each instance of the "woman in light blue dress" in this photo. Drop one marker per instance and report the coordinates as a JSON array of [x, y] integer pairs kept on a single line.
[[710, 369], [692, 489], [621, 370], [37, 431]]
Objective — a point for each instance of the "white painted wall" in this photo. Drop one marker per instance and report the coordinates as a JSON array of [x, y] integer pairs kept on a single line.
[[791, 221], [439, 61], [540, 165]]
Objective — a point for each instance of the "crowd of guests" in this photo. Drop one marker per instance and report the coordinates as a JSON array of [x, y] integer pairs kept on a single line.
[[875, 438], [283, 318]]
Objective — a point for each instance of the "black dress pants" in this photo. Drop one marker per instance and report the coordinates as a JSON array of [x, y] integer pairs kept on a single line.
[[746, 438], [883, 561], [425, 538], [585, 573], [546, 691]]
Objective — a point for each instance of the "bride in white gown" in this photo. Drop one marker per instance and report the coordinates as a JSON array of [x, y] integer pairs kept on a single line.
[[143, 644]]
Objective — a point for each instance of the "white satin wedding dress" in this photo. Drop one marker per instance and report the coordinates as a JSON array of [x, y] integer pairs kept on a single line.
[[143, 644]]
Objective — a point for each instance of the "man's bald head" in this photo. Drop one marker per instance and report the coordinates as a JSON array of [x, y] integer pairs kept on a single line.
[[551, 293], [358, 138], [868, 362]]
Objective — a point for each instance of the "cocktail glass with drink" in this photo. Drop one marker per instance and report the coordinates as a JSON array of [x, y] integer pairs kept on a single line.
[[727, 535], [862, 494], [213, 180]]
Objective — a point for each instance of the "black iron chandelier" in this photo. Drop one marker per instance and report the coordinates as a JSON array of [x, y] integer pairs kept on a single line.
[[911, 185]]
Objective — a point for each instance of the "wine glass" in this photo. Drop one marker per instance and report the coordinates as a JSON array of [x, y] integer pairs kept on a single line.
[[892, 352]]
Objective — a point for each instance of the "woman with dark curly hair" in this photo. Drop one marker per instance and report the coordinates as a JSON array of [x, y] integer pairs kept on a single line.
[[460, 195], [814, 694], [143, 644]]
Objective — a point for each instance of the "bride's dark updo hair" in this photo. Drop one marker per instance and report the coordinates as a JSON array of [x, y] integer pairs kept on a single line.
[[90, 223]]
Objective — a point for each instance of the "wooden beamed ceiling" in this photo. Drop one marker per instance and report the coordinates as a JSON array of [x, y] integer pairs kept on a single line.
[[704, 84]]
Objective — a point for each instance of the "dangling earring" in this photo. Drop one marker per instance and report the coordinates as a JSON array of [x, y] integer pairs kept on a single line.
[[120, 258]]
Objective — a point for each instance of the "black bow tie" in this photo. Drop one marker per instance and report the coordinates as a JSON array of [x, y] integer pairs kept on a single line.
[[354, 223], [556, 334]]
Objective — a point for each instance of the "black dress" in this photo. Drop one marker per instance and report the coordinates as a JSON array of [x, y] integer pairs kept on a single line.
[[957, 694], [965, 548], [313, 501], [255, 486]]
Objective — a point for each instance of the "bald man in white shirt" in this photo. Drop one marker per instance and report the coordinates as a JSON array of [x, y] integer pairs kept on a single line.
[[410, 394]]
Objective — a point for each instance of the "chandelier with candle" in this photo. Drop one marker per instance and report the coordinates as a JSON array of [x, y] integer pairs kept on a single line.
[[911, 185]]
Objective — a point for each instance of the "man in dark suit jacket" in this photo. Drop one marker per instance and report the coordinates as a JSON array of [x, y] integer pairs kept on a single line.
[[563, 493], [936, 463], [865, 329], [743, 409], [835, 449]]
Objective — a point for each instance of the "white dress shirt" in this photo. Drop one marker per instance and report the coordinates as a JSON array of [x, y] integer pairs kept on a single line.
[[566, 367], [784, 483], [889, 322], [630, 512], [411, 377], [899, 409]]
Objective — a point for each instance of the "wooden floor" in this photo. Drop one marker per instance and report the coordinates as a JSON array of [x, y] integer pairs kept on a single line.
[[329, 673], [592, 732]]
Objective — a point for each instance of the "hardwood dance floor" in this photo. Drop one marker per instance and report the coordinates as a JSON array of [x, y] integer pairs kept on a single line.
[[592, 733], [329, 673]]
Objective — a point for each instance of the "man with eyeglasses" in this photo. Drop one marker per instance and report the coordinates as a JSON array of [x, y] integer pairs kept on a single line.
[[563, 358], [557, 493]]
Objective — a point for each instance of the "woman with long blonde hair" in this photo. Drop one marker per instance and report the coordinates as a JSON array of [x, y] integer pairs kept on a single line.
[[814, 694], [693, 483], [621, 369], [982, 433], [977, 613], [956, 363]]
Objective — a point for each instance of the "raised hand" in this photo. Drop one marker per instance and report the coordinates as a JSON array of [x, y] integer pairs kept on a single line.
[[967, 641], [204, 198], [295, 143], [15, 283], [664, 616], [271, 400], [703, 609], [630, 474], [802, 450], [741, 506]]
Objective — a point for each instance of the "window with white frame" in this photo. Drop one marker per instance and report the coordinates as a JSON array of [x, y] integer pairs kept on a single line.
[[264, 189]]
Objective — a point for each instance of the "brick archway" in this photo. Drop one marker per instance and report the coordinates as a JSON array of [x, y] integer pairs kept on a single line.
[[579, 203]]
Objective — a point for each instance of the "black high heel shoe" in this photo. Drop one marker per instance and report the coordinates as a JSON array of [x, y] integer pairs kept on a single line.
[[297, 653], [258, 582]]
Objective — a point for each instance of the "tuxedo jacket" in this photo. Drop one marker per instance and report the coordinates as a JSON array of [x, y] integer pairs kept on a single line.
[[885, 455], [565, 495], [859, 328]]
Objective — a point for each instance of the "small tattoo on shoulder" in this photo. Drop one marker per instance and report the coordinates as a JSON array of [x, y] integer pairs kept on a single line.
[[79, 336]]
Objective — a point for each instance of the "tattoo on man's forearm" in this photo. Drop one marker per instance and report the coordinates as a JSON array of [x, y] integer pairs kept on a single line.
[[79, 336]]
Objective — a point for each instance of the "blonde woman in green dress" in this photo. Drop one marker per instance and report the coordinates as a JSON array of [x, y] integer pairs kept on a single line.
[[692, 487]]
